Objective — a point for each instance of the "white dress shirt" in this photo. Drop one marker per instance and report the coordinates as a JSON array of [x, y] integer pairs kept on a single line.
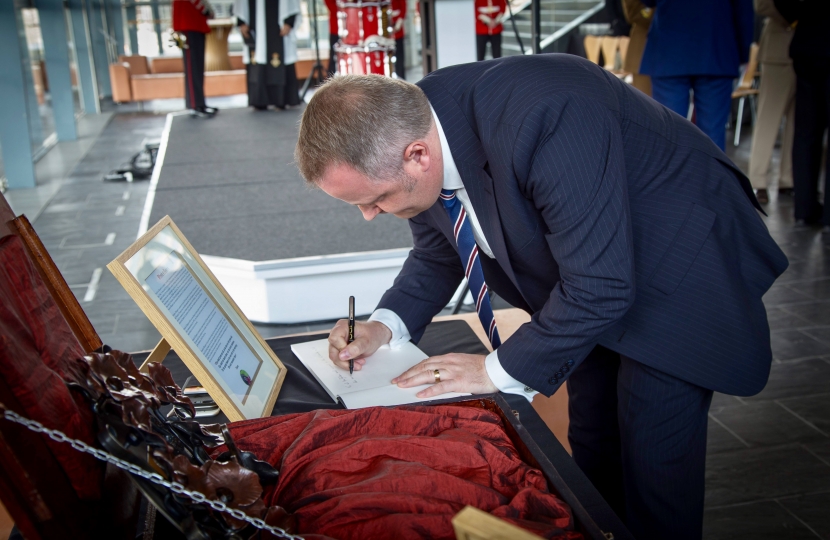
[[400, 334]]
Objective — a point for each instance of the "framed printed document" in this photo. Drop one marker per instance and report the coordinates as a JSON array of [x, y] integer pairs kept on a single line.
[[180, 295]]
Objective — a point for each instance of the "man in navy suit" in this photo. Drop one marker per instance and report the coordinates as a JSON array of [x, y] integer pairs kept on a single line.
[[698, 45], [631, 239]]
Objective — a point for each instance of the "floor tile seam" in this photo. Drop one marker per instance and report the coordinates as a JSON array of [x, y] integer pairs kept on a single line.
[[115, 323], [800, 358], [226, 185], [820, 340], [228, 218], [45, 205], [790, 512], [800, 396], [806, 327], [764, 499], [729, 430], [94, 135], [784, 446], [789, 284], [218, 160], [811, 337], [727, 408], [788, 305], [810, 424], [815, 455], [786, 285]]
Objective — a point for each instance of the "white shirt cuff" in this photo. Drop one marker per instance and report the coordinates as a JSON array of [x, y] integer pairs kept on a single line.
[[503, 380], [390, 319]]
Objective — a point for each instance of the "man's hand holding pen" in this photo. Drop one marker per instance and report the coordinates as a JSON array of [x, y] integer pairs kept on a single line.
[[368, 337]]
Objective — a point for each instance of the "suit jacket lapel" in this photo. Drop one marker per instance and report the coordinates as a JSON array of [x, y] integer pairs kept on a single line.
[[470, 158]]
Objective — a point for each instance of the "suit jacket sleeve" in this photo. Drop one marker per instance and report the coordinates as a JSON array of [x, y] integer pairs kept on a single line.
[[428, 279], [568, 159]]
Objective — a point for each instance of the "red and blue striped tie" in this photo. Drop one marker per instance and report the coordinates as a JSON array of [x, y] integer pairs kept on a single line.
[[468, 250]]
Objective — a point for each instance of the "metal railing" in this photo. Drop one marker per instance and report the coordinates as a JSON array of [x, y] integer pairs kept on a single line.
[[544, 23]]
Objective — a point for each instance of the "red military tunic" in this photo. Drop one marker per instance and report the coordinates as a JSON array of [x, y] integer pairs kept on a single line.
[[189, 18], [492, 9], [398, 12], [332, 7]]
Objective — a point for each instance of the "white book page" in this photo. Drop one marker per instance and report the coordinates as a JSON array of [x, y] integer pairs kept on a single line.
[[389, 395], [376, 375]]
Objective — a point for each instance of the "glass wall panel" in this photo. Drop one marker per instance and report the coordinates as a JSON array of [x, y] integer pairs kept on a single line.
[[40, 117], [73, 68]]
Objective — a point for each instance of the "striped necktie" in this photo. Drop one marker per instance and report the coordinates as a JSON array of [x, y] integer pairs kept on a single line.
[[468, 251]]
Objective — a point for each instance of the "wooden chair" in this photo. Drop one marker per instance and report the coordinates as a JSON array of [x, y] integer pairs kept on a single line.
[[592, 48], [746, 88]]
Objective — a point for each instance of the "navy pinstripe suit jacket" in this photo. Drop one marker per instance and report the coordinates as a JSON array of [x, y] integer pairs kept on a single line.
[[613, 221]]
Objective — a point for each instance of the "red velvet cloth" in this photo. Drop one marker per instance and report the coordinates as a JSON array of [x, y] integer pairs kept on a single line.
[[400, 473], [37, 353]]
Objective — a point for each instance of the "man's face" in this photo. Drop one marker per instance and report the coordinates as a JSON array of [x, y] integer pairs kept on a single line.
[[414, 191]]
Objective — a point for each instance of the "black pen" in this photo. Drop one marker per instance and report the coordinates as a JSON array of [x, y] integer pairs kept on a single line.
[[351, 330]]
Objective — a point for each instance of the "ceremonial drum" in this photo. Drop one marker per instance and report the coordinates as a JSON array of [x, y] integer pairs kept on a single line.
[[357, 20], [374, 57]]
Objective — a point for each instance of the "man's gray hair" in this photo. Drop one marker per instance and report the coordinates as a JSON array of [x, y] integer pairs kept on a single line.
[[364, 121]]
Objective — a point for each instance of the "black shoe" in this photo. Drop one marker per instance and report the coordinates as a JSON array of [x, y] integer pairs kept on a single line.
[[260, 107], [801, 223], [201, 113], [813, 217], [785, 191], [211, 110], [762, 196]]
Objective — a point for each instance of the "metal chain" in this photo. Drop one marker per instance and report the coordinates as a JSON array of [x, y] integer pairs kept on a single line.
[[156, 478]]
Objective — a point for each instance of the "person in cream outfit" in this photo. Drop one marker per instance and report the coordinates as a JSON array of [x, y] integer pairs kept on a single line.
[[776, 100]]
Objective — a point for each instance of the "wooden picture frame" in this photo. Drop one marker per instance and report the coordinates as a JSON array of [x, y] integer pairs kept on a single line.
[[176, 290]]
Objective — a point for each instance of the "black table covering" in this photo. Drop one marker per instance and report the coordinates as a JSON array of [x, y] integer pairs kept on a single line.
[[302, 393]]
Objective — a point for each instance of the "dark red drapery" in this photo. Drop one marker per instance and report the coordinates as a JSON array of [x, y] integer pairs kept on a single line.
[[400, 473]]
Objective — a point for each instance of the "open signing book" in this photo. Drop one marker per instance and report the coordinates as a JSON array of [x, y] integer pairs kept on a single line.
[[371, 386]]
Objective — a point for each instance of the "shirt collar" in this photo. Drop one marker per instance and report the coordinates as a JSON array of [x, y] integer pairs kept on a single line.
[[452, 179]]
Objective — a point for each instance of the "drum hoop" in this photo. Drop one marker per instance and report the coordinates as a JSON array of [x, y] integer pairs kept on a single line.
[[374, 47], [351, 4]]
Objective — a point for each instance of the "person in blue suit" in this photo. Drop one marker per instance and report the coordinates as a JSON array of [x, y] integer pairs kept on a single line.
[[635, 244], [698, 45]]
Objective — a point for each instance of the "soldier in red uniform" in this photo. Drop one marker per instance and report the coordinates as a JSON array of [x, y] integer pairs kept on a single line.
[[489, 14], [333, 35], [397, 17], [190, 18]]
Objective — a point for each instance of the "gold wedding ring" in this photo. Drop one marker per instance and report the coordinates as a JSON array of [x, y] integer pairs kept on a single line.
[[437, 375]]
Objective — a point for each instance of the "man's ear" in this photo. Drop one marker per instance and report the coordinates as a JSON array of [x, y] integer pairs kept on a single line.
[[417, 156]]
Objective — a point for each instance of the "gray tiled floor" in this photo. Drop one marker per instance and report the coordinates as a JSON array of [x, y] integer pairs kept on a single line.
[[768, 468], [768, 464]]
